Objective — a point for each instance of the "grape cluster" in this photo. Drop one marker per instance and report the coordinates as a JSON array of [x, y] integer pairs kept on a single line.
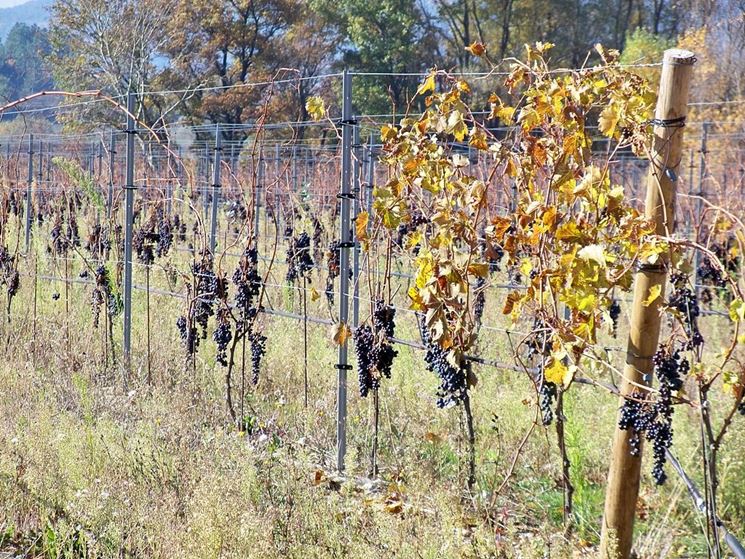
[[654, 419], [479, 300], [188, 334], [364, 348], [453, 380], [374, 350], [258, 350], [222, 336], [180, 227], [547, 392], [685, 302], [299, 259], [236, 211], [104, 293], [60, 243], [165, 234], [405, 229], [207, 288], [144, 241], [9, 276], [384, 317], [615, 313], [98, 243], [247, 282], [333, 260]]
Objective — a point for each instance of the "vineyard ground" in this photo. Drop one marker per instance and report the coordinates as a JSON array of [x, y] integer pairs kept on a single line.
[[157, 471]]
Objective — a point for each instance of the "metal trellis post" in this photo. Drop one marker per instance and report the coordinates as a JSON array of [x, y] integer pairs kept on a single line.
[[257, 201], [28, 190], [215, 189], [356, 211], [345, 197], [129, 192], [702, 174]]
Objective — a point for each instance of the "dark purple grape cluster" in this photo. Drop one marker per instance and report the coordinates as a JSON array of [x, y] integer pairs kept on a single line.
[[299, 259], [415, 220], [615, 313], [165, 234], [384, 317], [179, 227], [9, 276], [479, 300], [144, 241], [206, 287], [73, 233], [453, 380], [189, 335], [60, 242], [654, 419], [685, 302], [364, 348], [222, 336], [247, 282], [547, 392], [538, 343], [258, 350]]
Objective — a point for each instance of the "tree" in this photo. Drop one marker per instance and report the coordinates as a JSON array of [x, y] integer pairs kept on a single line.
[[384, 38], [224, 44], [116, 46], [23, 69]]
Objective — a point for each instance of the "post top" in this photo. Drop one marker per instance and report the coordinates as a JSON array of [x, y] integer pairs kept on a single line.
[[679, 57]]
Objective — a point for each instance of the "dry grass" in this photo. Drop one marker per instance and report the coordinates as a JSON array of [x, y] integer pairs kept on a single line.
[[87, 469]]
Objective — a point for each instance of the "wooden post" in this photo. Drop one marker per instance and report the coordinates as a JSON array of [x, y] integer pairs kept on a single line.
[[623, 477]]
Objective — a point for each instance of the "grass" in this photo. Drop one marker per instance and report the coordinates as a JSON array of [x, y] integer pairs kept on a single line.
[[88, 469]]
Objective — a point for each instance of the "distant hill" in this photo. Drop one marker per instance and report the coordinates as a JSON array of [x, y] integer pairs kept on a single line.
[[33, 11]]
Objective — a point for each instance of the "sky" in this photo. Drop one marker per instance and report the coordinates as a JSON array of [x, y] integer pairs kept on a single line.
[[9, 3]]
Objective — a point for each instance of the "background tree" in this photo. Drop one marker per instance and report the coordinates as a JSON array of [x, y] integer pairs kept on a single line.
[[23, 69]]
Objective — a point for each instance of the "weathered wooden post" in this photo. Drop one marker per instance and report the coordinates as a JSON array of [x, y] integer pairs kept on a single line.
[[623, 477]]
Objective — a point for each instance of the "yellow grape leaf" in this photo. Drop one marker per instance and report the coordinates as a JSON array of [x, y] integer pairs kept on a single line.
[[388, 133], [463, 86], [316, 107], [569, 232], [737, 310], [654, 294], [478, 139], [360, 225], [608, 121], [314, 295], [558, 373], [417, 303], [505, 113], [477, 49], [341, 333], [427, 85]]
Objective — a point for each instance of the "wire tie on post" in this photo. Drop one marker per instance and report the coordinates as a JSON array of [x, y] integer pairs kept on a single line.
[[679, 122]]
